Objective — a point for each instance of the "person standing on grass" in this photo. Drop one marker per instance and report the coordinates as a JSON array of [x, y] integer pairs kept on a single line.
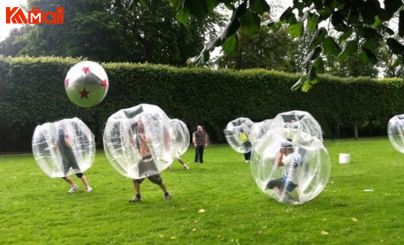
[[147, 166], [200, 140], [64, 144]]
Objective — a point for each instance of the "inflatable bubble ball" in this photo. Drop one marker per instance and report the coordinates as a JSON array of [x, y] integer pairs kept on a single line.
[[259, 129], [180, 136], [237, 134], [137, 141], [293, 171], [395, 130], [64, 147], [86, 84], [301, 120]]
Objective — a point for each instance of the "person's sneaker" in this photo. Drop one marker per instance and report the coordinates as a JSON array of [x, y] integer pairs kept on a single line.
[[89, 189], [186, 166], [167, 196], [73, 189], [135, 199]]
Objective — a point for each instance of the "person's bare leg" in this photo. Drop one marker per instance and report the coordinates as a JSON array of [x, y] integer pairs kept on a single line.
[[163, 187], [85, 182], [69, 180], [183, 163], [136, 186], [73, 186]]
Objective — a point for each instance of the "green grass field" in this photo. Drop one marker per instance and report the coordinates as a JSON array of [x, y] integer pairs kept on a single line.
[[35, 209]]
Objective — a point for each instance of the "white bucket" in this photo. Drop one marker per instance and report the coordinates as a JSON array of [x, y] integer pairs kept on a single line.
[[344, 158]]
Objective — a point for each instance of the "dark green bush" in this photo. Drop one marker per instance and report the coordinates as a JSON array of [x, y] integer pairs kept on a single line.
[[32, 93]]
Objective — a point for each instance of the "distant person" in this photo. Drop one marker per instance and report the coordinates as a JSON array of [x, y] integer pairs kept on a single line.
[[200, 139], [64, 144], [146, 166], [292, 162]]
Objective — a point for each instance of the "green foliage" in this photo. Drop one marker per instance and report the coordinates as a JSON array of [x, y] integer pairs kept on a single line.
[[32, 93], [269, 48], [364, 21], [105, 31], [36, 209]]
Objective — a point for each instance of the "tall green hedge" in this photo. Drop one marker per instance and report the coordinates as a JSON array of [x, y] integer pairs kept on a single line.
[[32, 93]]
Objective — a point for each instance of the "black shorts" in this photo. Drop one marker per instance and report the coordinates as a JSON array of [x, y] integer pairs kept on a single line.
[[147, 167], [156, 179], [69, 161], [281, 184]]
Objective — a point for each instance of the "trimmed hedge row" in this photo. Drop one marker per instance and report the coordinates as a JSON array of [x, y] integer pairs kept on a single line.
[[32, 93]]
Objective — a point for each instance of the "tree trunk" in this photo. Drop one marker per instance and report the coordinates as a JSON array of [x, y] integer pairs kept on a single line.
[[356, 137]]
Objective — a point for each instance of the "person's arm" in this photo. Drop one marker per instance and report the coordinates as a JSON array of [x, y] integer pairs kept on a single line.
[[194, 138], [131, 140], [279, 159], [68, 141], [205, 139]]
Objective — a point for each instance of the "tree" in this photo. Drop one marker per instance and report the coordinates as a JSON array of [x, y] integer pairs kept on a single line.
[[365, 21], [115, 30], [269, 48], [13, 43], [153, 33], [82, 19]]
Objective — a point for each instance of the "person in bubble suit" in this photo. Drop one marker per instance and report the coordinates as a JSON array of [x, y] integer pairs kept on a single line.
[[64, 144], [246, 143], [200, 139], [292, 161], [146, 164]]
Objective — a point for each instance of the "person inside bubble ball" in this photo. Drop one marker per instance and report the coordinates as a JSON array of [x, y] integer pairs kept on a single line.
[[146, 165], [292, 161], [245, 142], [200, 139], [64, 144]]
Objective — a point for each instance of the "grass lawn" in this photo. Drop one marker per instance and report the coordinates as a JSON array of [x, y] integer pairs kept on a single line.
[[35, 209]]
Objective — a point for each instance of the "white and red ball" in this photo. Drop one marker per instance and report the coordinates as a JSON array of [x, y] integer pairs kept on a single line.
[[86, 84]]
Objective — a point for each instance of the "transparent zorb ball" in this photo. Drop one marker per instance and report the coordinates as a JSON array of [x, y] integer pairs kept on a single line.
[[137, 141], [259, 129], [300, 120], [64, 147], [237, 134], [299, 175], [180, 136], [395, 130]]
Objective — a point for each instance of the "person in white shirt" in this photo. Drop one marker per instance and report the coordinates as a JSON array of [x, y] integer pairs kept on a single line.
[[292, 162]]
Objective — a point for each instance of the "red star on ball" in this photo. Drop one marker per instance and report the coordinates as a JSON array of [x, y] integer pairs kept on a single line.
[[84, 93], [66, 82], [104, 83], [86, 70]]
